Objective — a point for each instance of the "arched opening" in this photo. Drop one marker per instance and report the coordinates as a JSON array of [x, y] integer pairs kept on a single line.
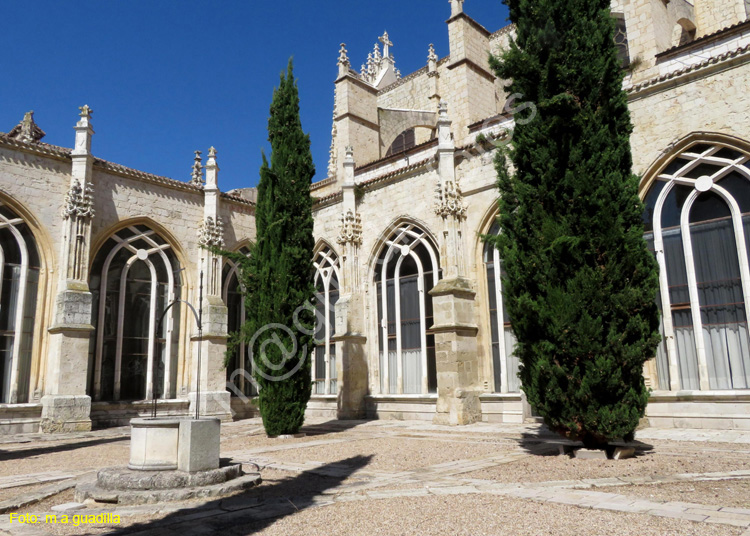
[[698, 224], [327, 279], [683, 32], [19, 282], [407, 269], [502, 340], [134, 277], [239, 371]]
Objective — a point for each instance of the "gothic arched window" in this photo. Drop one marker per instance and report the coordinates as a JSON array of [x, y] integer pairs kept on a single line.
[[327, 279], [698, 223], [237, 369], [19, 279], [503, 342], [407, 269], [134, 277]]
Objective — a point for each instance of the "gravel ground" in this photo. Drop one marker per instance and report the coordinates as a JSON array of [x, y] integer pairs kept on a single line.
[[65, 457], [734, 493], [260, 440], [663, 460], [391, 454], [476, 516]]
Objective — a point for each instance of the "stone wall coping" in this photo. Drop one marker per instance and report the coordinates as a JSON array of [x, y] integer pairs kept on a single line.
[[356, 337], [489, 397], [429, 398], [62, 328], [737, 395]]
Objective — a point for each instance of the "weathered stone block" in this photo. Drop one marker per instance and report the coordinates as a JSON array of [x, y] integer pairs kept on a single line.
[[199, 445], [65, 413]]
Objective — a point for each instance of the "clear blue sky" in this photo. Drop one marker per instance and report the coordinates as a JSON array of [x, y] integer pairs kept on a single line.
[[167, 77]]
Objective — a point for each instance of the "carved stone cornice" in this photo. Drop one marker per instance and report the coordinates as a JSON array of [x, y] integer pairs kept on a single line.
[[211, 232], [351, 229], [449, 200], [79, 202]]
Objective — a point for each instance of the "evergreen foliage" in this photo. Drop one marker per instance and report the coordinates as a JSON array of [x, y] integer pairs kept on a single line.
[[277, 277], [581, 284]]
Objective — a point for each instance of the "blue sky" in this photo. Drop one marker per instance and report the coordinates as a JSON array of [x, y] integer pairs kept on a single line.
[[167, 77]]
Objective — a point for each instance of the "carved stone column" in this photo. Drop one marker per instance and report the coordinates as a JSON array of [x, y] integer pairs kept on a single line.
[[214, 397], [65, 405], [457, 362], [349, 329]]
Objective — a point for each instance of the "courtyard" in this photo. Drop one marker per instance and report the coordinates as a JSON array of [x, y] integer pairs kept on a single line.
[[403, 477]]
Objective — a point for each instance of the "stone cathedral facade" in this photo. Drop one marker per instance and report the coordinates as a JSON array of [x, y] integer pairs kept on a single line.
[[411, 320]]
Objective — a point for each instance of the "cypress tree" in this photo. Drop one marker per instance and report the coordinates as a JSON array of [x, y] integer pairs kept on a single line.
[[581, 283], [277, 276]]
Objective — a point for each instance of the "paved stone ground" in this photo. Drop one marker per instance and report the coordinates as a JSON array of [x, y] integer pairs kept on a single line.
[[355, 467]]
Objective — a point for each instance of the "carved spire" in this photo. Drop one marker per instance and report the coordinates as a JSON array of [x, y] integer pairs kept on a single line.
[[343, 58], [27, 130], [431, 56], [196, 177]]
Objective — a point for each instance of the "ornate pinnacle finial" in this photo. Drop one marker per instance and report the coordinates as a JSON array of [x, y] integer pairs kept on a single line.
[[27, 131], [431, 56], [197, 175], [343, 58], [376, 57], [387, 44], [212, 152], [86, 111], [350, 153]]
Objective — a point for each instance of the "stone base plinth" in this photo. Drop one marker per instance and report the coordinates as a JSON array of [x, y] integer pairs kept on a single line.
[[65, 413], [120, 485], [462, 408], [213, 404], [199, 445]]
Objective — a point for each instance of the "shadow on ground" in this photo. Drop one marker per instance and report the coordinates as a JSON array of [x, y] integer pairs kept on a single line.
[[547, 443], [254, 509], [332, 427], [15, 454]]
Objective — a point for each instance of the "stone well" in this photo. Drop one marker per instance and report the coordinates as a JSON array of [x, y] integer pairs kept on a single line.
[[171, 459]]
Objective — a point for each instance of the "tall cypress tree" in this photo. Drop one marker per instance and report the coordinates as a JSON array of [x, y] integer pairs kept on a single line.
[[278, 274], [580, 282]]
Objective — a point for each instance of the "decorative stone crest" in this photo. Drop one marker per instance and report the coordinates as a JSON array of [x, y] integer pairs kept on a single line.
[[351, 229], [27, 130], [86, 111], [211, 232], [332, 159], [79, 202], [196, 177], [449, 201]]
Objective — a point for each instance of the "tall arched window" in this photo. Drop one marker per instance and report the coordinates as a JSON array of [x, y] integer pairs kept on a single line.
[[407, 269], [327, 279], [238, 372], [19, 279], [504, 363], [698, 223], [135, 276]]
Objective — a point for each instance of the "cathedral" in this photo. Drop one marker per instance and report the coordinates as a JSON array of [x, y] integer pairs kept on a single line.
[[101, 265]]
